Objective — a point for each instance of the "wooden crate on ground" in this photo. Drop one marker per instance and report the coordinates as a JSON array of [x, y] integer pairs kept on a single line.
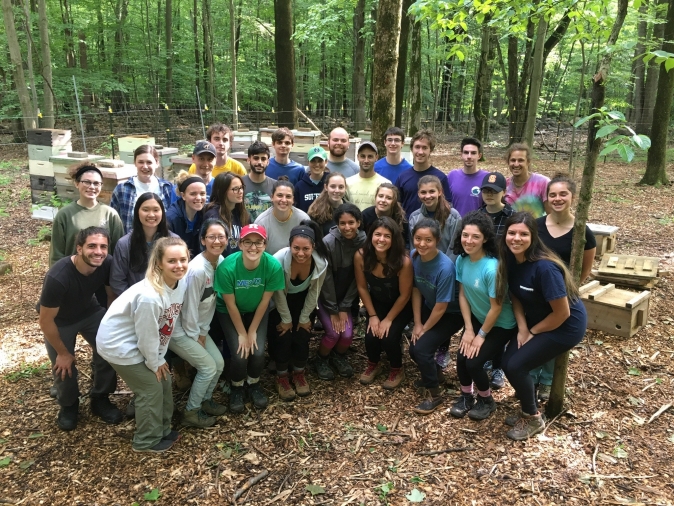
[[606, 238], [628, 270], [614, 311]]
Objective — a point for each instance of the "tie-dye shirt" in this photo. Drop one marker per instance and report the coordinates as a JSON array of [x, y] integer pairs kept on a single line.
[[530, 196]]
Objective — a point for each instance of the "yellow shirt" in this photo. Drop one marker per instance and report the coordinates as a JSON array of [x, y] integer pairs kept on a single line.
[[230, 165]]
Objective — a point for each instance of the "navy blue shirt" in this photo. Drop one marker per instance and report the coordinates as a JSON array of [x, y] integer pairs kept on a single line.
[[408, 184], [435, 279], [292, 169]]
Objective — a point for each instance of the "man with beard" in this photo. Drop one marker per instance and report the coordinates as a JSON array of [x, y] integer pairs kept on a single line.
[[338, 145], [257, 186], [68, 307], [362, 187]]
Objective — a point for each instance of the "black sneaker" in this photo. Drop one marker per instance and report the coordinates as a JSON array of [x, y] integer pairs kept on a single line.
[[497, 380], [258, 397], [236, 399], [341, 363], [67, 417], [161, 446], [323, 369], [106, 410], [484, 407], [174, 436], [462, 405]]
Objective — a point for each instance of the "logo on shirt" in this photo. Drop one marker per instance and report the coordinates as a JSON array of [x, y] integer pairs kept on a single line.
[[526, 288], [477, 283], [167, 323], [475, 191], [248, 283]]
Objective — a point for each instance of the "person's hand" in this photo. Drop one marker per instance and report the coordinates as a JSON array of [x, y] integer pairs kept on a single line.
[[64, 365], [466, 341], [417, 332], [474, 347], [336, 322], [384, 327], [373, 325], [306, 326], [282, 328], [162, 372], [252, 341], [202, 341], [344, 318], [523, 337], [243, 347]]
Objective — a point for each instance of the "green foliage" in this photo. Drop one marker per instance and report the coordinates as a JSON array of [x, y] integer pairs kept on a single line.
[[42, 235], [153, 495], [5, 462], [27, 371], [314, 489], [415, 496], [384, 490]]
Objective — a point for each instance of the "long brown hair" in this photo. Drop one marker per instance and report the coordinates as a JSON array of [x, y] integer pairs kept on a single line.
[[321, 210], [397, 211], [444, 209], [395, 256], [221, 186]]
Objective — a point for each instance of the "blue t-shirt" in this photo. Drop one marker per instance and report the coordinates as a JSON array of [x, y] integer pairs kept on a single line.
[[535, 284], [434, 279], [479, 285], [408, 184], [292, 169], [391, 172]]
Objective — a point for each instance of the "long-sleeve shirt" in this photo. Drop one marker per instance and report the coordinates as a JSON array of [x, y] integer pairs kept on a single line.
[[339, 288]]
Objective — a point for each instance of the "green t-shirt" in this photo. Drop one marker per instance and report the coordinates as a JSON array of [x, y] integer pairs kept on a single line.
[[231, 277]]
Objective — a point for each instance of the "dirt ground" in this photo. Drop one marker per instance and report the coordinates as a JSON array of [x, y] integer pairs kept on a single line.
[[347, 443]]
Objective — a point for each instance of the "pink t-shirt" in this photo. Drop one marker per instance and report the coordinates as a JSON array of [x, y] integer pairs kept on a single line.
[[530, 196]]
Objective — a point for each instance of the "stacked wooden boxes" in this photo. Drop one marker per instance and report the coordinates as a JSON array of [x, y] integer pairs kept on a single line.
[[406, 150], [606, 238], [114, 172], [127, 145], [265, 134], [43, 143], [615, 311], [305, 139], [65, 187], [242, 139], [165, 169], [628, 270], [365, 135]]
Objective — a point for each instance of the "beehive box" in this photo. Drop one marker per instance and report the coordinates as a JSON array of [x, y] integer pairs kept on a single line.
[[63, 163], [40, 168], [365, 135], [48, 137], [265, 134], [129, 143], [67, 192], [299, 157], [628, 270], [44, 213], [44, 153], [180, 163], [305, 139], [242, 139], [41, 197], [46, 183], [613, 310], [606, 236], [112, 176]]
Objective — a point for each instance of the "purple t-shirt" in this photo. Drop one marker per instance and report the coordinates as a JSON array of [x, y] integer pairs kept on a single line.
[[465, 188], [530, 196]]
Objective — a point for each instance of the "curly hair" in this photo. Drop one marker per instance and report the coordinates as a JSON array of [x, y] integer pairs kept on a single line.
[[395, 256], [486, 227]]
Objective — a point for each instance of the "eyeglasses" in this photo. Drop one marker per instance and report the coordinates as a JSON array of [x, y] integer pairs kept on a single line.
[[237, 189], [95, 184], [392, 140], [251, 244], [221, 238], [489, 191]]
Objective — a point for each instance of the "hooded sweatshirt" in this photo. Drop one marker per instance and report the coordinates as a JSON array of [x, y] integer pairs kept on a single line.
[[306, 191], [284, 256], [447, 234], [176, 216], [339, 289]]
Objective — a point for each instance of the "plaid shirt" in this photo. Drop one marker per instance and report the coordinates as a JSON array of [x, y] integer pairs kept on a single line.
[[124, 200], [499, 218]]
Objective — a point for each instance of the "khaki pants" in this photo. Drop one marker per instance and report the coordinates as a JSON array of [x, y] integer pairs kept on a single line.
[[154, 403]]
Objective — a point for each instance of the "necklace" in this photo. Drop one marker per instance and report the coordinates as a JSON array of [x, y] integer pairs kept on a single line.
[[283, 221]]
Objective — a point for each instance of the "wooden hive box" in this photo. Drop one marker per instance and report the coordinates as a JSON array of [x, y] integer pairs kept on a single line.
[[265, 134], [299, 157], [366, 135], [614, 311], [112, 176], [605, 236], [62, 165], [628, 270], [180, 163], [45, 183], [48, 137], [131, 142], [44, 153], [40, 168]]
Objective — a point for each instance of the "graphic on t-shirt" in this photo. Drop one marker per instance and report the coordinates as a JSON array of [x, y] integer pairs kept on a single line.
[[234, 234], [167, 322], [208, 292], [530, 204], [257, 202], [248, 283], [475, 191]]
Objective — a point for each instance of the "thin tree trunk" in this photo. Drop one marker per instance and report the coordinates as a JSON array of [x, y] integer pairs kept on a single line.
[[232, 50], [482, 84], [358, 81], [401, 75], [47, 90], [67, 20], [168, 32], [581, 92], [285, 63], [195, 33], [415, 80], [536, 81], [121, 12], [524, 84], [636, 95], [29, 53], [643, 126], [512, 89]]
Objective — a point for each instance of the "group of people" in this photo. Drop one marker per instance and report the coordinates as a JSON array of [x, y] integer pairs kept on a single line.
[[223, 263]]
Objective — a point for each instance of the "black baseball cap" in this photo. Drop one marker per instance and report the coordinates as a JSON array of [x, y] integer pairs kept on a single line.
[[494, 180], [204, 147]]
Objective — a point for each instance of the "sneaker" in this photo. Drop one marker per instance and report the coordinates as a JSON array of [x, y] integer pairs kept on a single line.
[[284, 388], [106, 410], [428, 405], [258, 397], [236, 399], [197, 418], [53, 391], [462, 405], [488, 365], [323, 369], [161, 446], [372, 371], [395, 377], [131, 408], [526, 426], [210, 407], [301, 385], [442, 357], [484, 407], [341, 363], [497, 380], [174, 436], [67, 417], [544, 392]]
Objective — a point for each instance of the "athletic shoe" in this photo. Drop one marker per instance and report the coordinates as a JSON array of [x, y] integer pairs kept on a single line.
[[429, 405], [526, 426], [67, 417], [285, 390], [300, 382], [341, 363], [323, 368], [174, 436], [488, 365], [484, 407], [210, 407], [497, 380], [544, 392], [197, 418], [236, 399], [371, 372], [161, 446], [462, 405], [106, 410], [258, 397], [395, 377]]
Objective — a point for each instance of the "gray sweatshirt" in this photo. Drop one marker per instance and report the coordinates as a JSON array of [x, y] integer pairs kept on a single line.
[[447, 234], [284, 257], [278, 233], [339, 289]]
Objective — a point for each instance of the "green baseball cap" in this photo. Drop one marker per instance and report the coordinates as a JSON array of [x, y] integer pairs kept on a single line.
[[317, 152]]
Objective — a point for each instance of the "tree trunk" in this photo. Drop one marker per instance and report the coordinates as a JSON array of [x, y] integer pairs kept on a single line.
[[536, 81], [556, 402], [168, 85], [27, 111], [657, 154], [415, 80], [195, 33], [232, 50], [66, 18], [121, 12], [512, 89], [47, 91], [358, 81], [636, 95], [524, 84], [401, 76], [645, 120], [209, 64], [29, 54], [482, 83], [286, 90], [87, 97]]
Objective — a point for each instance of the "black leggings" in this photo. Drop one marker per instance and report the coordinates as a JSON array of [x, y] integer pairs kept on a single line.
[[472, 370], [517, 362], [293, 346], [423, 351], [390, 344]]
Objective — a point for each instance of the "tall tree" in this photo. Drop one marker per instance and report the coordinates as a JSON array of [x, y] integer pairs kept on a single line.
[[121, 13], [286, 90], [536, 81], [483, 83], [358, 81], [650, 84], [415, 80], [401, 74], [635, 97], [232, 50], [47, 91], [168, 32]]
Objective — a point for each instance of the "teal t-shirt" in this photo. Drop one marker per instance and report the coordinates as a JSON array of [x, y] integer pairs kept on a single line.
[[231, 277], [479, 285]]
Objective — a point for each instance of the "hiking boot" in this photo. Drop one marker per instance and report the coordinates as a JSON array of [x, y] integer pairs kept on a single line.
[[53, 391], [323, 369], [210, 407], [395, 377], [371, 372], [236, 399], [488, 365], [258, 397], [484, 407], [106, 410], [512, 418], [197, 418], [67, 417], [442, 357], [161, 446], [300, 382], [131, 408], [285, 390], [526, 426], [462, 405], [544, 392], [497, 380], [174, 436], [430, 404], [341, 363], [181, 378]]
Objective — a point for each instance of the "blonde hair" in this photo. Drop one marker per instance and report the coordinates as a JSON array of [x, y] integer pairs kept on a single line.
[[153, 273]]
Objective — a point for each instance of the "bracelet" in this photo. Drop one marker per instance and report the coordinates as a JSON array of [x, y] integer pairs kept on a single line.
[[372, 316], [482, 334]]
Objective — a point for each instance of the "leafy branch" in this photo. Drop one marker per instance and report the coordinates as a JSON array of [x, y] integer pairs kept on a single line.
[[610, 125]]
